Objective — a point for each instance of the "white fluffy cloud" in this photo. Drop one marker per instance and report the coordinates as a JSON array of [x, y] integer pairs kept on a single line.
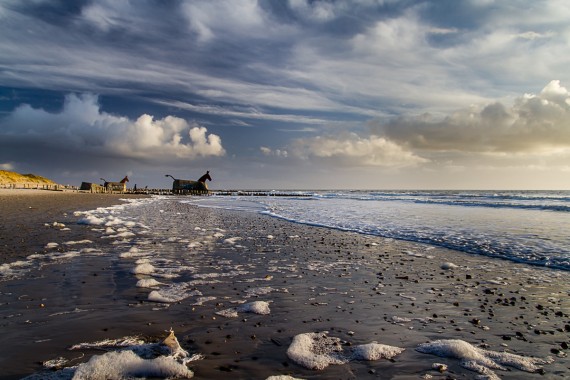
[[81, 127], [352, 149], [273, 152], [532, 124]]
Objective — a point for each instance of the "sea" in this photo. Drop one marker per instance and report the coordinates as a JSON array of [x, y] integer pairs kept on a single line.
[[531, 227]]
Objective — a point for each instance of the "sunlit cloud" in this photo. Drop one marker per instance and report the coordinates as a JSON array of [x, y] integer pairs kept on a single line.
[[355, 150], [81, 128], [533, 123]]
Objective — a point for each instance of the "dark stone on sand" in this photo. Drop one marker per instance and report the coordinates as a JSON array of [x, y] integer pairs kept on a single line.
[[228, 368]]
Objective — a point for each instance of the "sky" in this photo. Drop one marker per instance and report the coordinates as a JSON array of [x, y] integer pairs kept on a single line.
[[288, 94]]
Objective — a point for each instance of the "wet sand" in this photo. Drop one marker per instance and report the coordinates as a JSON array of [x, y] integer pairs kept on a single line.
[[358, 288], [26, 211]]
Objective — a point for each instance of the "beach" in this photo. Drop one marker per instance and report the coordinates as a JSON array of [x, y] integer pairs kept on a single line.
[[245, 290]]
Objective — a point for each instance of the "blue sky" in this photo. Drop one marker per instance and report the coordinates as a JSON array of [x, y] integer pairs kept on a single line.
[[379, 94]]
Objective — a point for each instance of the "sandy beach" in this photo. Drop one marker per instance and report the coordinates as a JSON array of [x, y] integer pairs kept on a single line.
[[360, 289], [26, 211]]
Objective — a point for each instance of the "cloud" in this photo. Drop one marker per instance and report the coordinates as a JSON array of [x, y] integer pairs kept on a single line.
[[353, 150], [532, 124], [7, 166], [82, 128], [209, 20], [270, 152], [246, 113], [316, 11], [361, 58]]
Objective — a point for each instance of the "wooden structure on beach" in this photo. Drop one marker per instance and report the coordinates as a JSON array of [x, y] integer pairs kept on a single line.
[[107, 187], [116, 187], [92, 187], [189, 187]]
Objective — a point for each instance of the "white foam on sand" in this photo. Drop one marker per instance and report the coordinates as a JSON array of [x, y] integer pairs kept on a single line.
[[91, 220], [148, 283], [78, 242], [109, 343], [256, 307], [200, 300], [11, 270], [318, 351], [261, 291], [129, 358], [173, 293], [375, 351], [480, 360], [127, 364], [124, 234], [228, 313], [232, 240], [132, 252], [145, 268], [232, 273]]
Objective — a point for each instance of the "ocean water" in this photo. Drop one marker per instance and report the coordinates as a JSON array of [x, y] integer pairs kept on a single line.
[[523, 226]]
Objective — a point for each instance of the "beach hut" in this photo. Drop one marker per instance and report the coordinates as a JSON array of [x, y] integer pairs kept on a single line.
[[91, 187]]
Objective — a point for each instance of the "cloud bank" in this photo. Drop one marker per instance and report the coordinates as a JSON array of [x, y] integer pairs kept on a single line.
[[532, 124], [82, 129], [533, 127], [353, 150]]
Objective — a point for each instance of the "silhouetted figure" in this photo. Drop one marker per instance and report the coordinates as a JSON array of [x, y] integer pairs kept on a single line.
[[205, 177], [184, 186]]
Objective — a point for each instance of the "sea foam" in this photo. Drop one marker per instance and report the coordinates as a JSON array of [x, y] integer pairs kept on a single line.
[[318, 351], [127, 364], [130, 357], [480, 360]]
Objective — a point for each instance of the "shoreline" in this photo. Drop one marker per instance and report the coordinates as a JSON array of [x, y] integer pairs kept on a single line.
[[360, 288]]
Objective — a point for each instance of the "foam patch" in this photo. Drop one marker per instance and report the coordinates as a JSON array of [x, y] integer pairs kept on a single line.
[[480, 360], [318, 351]]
